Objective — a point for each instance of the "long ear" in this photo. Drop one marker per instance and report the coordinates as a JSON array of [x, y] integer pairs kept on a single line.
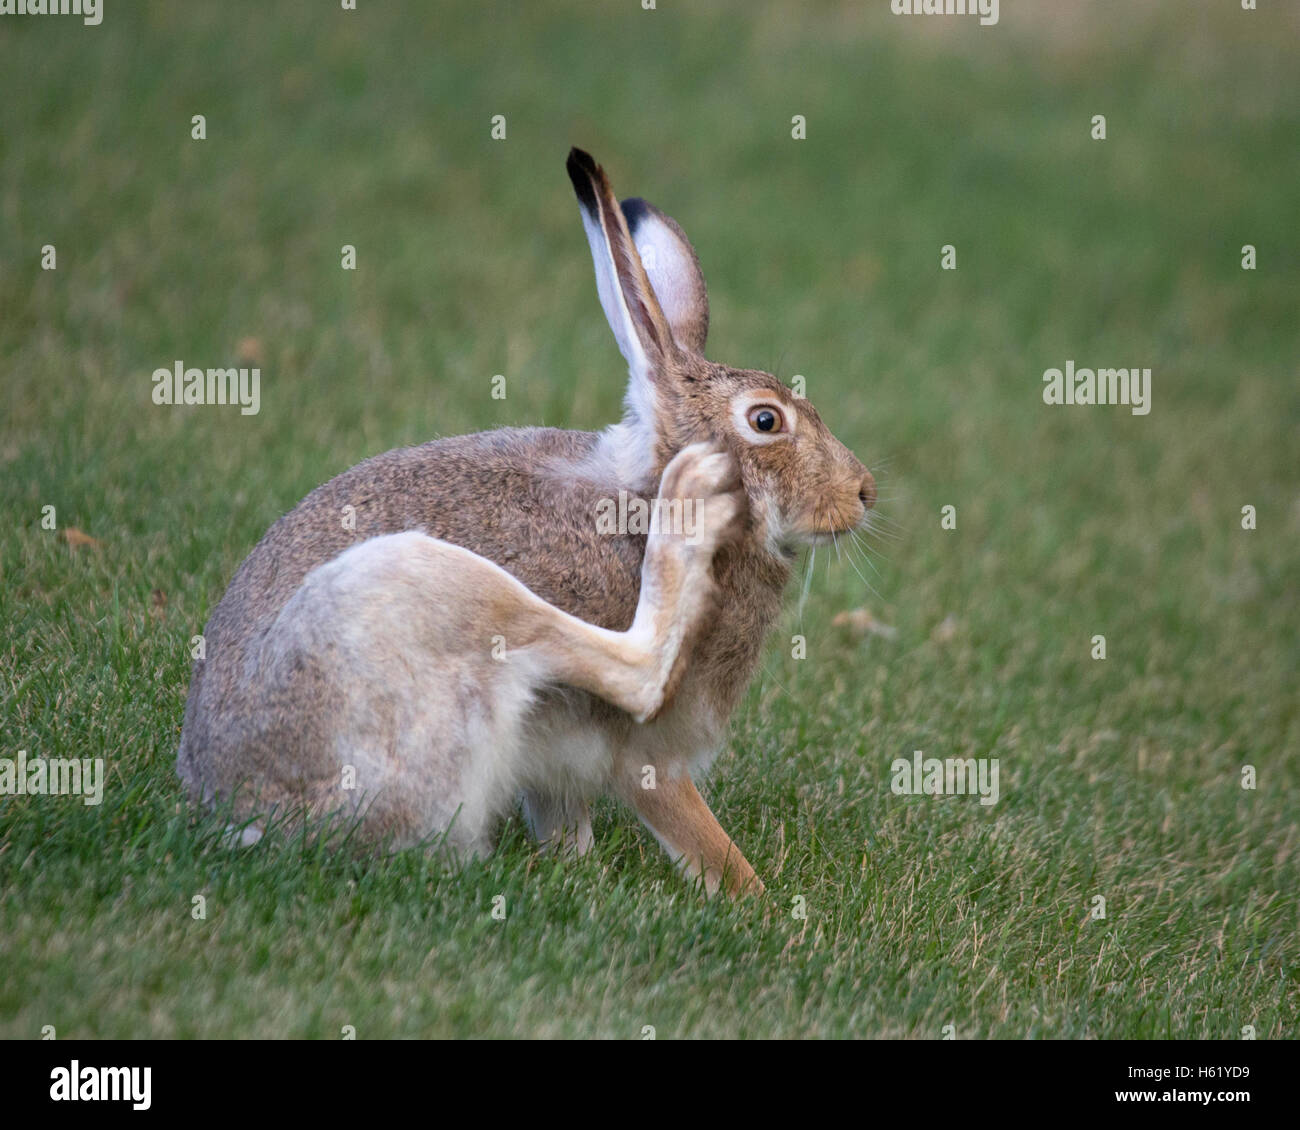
[[629, 301], [674, 270]]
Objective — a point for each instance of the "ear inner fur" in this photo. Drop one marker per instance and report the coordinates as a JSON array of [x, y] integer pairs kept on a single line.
[[675, 276]]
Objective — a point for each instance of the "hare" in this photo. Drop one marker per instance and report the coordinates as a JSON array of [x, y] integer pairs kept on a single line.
[[477, 633]]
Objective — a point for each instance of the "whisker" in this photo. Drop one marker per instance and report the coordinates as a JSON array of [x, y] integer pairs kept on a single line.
[[882, 523], [861, 577], [768, 675], [866, 555], [810, 566], [883, 535]]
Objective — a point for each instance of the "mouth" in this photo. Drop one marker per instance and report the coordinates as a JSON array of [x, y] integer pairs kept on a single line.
[[821, 537], [827, 533], [827, 527]]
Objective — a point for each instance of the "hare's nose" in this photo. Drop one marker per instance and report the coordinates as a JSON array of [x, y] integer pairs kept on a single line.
[[867, 491]]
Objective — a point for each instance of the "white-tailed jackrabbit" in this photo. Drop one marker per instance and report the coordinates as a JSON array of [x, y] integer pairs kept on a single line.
[[477, 631]]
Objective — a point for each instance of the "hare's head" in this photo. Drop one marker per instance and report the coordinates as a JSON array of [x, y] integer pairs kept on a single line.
[[804, 486]]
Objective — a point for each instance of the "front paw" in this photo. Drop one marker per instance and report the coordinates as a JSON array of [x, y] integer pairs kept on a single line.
[[700, 502]]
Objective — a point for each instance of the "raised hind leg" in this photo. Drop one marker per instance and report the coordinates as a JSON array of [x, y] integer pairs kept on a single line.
[[423, 658], [635, 669]]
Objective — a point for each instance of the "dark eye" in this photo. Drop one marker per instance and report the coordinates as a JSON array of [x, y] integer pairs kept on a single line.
[[765, 419]]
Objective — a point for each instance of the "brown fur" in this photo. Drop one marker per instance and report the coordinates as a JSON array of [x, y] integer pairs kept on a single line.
[[526, 499]]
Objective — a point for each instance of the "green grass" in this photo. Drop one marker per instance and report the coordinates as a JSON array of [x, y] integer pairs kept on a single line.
[[1119, 778]]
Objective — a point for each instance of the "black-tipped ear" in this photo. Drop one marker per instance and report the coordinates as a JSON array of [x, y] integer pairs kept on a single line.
[[583, 172], [626, 293]]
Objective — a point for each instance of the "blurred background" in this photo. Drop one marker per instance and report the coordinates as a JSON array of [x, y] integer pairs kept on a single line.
[[373, 128]]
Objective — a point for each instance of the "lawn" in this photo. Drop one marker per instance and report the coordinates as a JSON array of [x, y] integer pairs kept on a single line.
[[885, 915]]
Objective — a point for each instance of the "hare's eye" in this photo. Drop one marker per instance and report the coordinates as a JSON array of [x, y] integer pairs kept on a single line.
[[765, 419]]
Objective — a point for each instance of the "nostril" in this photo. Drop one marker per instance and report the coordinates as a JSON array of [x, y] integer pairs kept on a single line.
[[867, 491]]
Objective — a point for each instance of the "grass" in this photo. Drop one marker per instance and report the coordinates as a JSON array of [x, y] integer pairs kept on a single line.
[[1119, 778]]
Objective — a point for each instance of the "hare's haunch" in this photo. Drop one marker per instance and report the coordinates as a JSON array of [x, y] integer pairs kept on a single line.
[[479, 630]]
